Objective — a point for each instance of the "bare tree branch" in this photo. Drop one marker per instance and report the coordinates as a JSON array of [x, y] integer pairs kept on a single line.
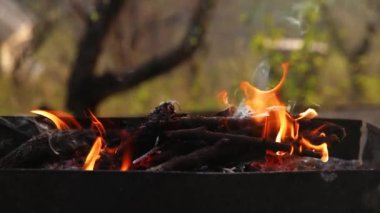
[[108, 84], [163, 64], [98, 25], [79, 10]]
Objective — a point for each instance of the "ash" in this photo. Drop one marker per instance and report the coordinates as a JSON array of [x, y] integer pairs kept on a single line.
[[297, 163], [71, 164]]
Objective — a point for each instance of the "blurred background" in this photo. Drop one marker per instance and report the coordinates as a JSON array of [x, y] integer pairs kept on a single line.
[[61, 54]]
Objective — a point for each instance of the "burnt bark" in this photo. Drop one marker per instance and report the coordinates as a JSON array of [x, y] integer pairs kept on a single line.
[[45, 147], [239, 140], [247, 126], [97, 88], [222, 152], [165, 129], [14, 132]]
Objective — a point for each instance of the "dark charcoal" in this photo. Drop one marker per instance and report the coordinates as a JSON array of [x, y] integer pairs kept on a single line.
[[145, 137], [45, 147], [220, 153], [14, 132]]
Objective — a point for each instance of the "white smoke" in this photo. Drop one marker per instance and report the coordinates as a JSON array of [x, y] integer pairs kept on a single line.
[[297, 19], [260, 77]]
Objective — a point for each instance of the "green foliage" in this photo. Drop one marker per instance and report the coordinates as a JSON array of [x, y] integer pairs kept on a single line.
[[371, 84], [235, 45], [302, 81]]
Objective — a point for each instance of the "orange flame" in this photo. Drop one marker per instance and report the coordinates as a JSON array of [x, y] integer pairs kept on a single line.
[[126, 162], [279, 125], [96, 124], [59, 118], [223, 97], [98, 146], [63, 121], [259, 100], [126, 147], [60, 124], [322, 149], [94, 154], [279, 122]]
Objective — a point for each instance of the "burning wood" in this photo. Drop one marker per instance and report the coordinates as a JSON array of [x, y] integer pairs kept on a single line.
[[179, 142], [222, 152], [47, 147], [260, 128]]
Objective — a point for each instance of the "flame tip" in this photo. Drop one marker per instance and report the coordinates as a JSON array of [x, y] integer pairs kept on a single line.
[[279, 125]]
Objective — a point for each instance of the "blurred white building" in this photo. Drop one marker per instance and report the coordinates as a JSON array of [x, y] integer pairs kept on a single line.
[[16, 30]]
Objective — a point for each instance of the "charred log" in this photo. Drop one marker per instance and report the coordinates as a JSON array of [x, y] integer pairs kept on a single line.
[[15, 132], [146, 136], [214, 123], [248, 125], [203, 134], [222, 152], [165, 141], [159, 155], [322, 126], [45, 147]]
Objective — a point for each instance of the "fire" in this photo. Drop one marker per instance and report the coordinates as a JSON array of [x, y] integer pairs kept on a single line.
[[96, 124], [319, 148], [98, 146], [60, 119], [260, 100], [93, 155], [279, 122], [279, 125], [126, 147], [64, 121], [223, 97], [58, 122], [126, 163], [308, 114]]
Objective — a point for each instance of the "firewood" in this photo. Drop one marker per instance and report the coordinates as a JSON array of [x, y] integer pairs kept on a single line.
[[176, 138], [213, 123], [145, 136], [169, 150], [328, 139], [14, 132], [10, 141], [230, 111], [42, 148], [202, 133], [326, 127], [247, 125], [222, 152]]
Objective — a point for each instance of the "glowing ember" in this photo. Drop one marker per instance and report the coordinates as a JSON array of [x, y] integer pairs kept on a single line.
[[126, 163], [279, 125], [126, 147]]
